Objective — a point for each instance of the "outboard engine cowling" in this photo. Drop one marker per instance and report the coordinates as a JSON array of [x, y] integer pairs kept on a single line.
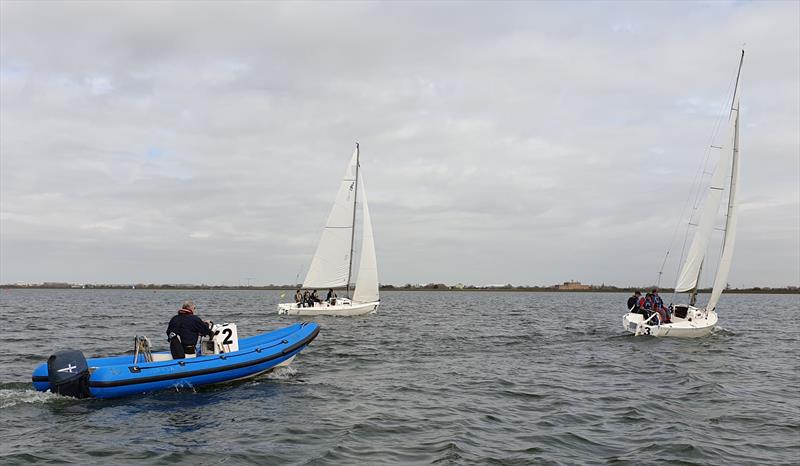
[[68, 374]]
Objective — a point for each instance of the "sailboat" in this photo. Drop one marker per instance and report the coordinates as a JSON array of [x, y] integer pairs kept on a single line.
[[691, 320], [332, 265]]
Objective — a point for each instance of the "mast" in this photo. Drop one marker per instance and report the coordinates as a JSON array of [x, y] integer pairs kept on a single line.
[[736, 86], [734, 173], [735, 158], [724, 267], [353, 228], [693, 296]]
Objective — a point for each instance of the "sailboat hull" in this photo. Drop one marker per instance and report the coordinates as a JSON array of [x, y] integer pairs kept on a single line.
[[326, 309], [697, 323]]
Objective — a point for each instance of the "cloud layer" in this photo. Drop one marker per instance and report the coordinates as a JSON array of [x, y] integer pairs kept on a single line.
[[529, 143]]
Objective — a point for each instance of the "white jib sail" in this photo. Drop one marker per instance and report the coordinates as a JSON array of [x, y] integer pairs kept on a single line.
[[331, 263], [721, 281], [690, 272], [367, 281]]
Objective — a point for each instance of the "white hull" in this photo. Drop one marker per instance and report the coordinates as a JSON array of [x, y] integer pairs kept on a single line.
[[697, 323], [326, 309]]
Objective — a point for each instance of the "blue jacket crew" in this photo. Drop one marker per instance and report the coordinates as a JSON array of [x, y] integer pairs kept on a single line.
[[184, 329]]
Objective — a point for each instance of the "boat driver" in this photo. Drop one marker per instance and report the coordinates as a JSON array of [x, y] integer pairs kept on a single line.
[[184, 329]]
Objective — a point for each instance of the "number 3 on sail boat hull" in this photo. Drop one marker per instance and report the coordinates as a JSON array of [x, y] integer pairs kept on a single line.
[[332, 264], [690, 320]]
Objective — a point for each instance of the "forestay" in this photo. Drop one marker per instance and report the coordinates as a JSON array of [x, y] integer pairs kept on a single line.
[[331, 263], [367, 281]]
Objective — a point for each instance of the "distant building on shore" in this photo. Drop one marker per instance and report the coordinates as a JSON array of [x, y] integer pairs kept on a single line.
[[573, 286]]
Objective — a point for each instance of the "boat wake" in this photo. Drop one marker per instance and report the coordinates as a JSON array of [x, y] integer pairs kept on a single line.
[[282, 373], [722, 331], [184, 387], [11, 395]]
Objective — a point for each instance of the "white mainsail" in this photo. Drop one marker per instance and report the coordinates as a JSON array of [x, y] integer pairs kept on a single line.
[[690, 272], [330, 266], [367, 282], [693, 321], [721, 280]]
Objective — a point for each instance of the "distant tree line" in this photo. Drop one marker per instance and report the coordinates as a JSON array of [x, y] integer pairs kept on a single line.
[[406, 287]]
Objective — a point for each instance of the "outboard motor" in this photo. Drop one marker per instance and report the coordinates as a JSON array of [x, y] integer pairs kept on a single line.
[[68, 374]]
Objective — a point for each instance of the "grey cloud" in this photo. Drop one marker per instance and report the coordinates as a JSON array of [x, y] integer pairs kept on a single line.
[[512, 142]]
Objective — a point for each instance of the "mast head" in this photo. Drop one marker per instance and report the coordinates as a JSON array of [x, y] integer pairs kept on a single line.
[[734, 104]]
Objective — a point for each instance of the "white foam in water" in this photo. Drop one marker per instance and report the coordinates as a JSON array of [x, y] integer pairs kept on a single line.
[[184, 387], [720, 330], [12, 397], [282, 373]]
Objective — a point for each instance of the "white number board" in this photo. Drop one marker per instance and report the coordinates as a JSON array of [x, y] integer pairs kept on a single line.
[[226, 339]]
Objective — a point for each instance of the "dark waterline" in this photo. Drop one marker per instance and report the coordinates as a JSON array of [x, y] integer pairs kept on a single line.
[[434, 377]]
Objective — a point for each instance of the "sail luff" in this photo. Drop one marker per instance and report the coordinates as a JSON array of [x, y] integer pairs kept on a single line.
[[367, 281], [721, 280]]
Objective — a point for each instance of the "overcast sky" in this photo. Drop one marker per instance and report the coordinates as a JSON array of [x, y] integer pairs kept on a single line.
[[521, 142]]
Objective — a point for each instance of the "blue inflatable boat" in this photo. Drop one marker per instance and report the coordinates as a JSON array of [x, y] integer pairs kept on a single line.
[[69, 373]]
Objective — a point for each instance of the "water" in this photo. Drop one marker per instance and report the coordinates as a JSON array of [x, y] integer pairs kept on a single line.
[[434, 377]]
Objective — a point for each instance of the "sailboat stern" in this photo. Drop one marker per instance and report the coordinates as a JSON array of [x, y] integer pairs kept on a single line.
[[687, 322]]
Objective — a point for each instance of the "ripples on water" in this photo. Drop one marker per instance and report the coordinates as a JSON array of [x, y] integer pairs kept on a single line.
[[445, 378]]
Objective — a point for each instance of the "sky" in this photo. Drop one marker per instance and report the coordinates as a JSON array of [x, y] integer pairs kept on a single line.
[[520, 142]]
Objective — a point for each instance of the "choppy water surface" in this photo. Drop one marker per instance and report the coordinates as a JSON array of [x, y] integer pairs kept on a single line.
[[445, 378]]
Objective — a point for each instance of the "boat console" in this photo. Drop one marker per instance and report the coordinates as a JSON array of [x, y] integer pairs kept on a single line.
[[225, 339]]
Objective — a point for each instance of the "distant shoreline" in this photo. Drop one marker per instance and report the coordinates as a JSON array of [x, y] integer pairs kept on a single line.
[[431, 287]]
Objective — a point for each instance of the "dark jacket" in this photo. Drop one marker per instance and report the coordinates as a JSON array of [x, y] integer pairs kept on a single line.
[[188, 327], [633, 303]]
